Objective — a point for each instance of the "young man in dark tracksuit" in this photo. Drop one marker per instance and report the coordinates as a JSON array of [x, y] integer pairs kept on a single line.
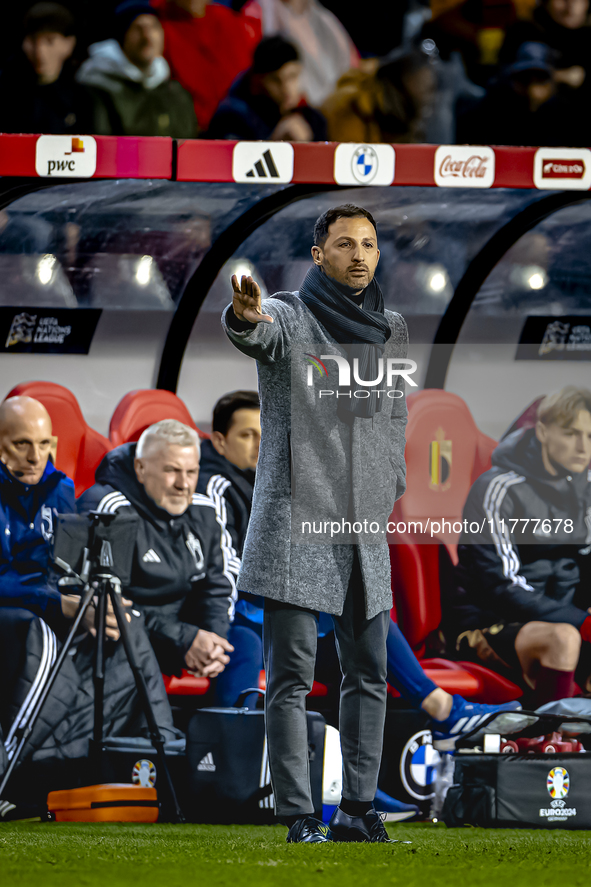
[[184, 567], [227, 469], [525, 577]]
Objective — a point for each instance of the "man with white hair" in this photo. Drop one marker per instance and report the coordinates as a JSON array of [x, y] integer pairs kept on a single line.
[[184, 569]]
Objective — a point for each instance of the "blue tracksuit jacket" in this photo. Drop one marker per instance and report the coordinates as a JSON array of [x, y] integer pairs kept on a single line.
[[26, 535]]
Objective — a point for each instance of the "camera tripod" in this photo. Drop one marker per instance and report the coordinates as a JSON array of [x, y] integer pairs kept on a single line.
[[101, 584]]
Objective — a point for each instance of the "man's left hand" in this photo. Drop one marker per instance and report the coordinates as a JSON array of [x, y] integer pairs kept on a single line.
[[207, 648], [70, 604]]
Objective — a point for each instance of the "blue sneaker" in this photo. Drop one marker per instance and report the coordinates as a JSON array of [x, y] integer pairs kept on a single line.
[[396, 811], [463, 718]]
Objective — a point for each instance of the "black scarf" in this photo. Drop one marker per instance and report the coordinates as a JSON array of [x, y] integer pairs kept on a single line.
[[362, 331]]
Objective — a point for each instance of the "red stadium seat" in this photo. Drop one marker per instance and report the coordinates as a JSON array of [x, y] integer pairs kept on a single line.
[[526, 419], [80, 448], [445, 453], [139, 409], [318, 689], [187, 685]]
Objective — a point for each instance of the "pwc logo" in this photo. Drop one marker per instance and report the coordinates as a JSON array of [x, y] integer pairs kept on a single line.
[[65, 156], [464, 166], [563, 169]]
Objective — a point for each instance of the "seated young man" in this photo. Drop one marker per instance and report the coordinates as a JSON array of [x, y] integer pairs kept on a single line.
[[267, 101], [35, 617], [524, 584], [226, 474], [183, 577], [38, 92]]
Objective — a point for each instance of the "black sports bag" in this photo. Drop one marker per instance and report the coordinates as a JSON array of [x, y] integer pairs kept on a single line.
[[229, 777], [520, 790], [528, 788]]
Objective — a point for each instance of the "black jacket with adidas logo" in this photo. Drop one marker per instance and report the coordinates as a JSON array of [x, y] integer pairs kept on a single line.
[[184, 567], [519, 559], [218, 477]]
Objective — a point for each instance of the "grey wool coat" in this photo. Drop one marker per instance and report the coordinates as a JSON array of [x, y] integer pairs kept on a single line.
[[313, 466]]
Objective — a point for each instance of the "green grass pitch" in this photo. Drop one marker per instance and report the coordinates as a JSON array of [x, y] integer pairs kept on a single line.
[[116, 855]]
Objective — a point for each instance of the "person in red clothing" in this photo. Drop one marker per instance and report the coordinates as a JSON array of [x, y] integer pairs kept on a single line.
[[207, 45]]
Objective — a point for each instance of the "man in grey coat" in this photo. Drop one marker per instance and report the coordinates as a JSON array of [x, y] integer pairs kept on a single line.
[[331, 466]]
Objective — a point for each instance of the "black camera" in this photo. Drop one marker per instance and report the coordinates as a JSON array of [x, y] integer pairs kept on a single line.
[[96, 543]]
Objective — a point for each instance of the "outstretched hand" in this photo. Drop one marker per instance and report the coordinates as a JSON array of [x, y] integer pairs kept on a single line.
[[247, 301]]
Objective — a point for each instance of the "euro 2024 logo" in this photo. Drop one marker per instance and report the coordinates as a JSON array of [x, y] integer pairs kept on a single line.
[[558, 783]]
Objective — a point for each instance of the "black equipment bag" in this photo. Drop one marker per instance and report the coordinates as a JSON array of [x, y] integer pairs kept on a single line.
[[520, 791], [528, 788], [134, 759], [229, 776]]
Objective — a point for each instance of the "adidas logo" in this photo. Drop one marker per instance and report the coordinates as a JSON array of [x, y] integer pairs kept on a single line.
[[5, 808], [262, 162], [151, 557], [207, 763], [268, 802], [264, 170]]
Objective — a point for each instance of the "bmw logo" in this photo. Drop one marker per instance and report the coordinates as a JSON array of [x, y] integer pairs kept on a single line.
[[418, 766], [364, 164]]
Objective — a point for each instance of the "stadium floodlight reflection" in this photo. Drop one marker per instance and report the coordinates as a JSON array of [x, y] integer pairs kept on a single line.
[[529, 277], [45, 269], [537, 280], [143, 273]]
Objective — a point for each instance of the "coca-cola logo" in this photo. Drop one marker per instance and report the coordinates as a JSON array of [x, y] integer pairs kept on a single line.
[[563, 169], [474, 166], [464, 166]]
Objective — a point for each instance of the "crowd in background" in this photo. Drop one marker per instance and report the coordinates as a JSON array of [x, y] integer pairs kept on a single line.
[[441, 71]]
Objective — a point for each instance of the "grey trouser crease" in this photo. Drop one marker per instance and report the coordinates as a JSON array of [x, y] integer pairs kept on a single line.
[[289, 640]]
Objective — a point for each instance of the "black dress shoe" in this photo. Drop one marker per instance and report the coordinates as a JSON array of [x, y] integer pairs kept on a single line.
[[308, 830], [369, 828]]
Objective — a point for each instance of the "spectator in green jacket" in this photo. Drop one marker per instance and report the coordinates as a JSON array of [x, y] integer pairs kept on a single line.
[[129, 80]]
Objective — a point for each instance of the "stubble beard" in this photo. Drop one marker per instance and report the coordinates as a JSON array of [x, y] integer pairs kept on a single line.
[[343, 278]]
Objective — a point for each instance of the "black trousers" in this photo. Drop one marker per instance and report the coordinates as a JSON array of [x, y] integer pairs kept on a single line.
[[289, 641]]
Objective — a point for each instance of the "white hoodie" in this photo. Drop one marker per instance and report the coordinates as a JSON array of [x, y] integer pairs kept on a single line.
[[108, 64]]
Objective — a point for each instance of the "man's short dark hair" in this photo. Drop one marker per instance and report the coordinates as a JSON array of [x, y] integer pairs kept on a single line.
[[49, 18], [272, 53], [227, 406], [346, 211]]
